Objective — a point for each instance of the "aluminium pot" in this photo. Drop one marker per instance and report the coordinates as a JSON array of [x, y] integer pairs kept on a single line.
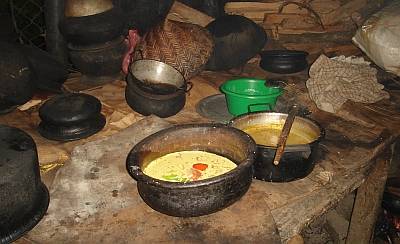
[[99, 60], [198, 197], [156, 76], [283, 61], [147, 103], [297, 160]]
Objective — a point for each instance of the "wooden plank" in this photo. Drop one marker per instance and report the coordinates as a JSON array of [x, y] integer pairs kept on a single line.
[[367, 203], [184, 13]]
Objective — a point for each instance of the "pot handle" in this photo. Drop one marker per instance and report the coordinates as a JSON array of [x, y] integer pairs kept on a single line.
[[136, 173], [189, 86], [269, 107]]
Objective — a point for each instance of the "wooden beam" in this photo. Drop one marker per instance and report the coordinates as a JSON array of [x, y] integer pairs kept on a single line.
[[368, 203], [183, 13]]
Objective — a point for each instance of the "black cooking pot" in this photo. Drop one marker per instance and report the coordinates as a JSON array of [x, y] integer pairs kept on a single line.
[[297, 160], [147, 103], [99, 60], [284, 61], [237, 39], [198, 197], [93, 29], [48, 73], [144, 14], [391, 201]]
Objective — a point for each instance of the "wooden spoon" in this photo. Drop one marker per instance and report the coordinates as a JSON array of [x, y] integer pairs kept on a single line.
[[285, 134]]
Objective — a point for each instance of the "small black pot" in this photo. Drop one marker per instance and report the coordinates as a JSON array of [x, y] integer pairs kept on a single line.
[[297, 161], [99, 60], [70, 117], [284, 61], [146, 103], [48, 73], [198, 197], [93, 29]]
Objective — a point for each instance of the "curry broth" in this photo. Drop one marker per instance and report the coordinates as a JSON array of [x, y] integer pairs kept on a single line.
[[267, 135], [186, 166]]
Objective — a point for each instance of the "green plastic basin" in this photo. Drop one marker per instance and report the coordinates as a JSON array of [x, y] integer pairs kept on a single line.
[[248, 95]]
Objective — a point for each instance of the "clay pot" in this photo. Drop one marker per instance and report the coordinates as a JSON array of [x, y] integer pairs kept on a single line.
[[24, 198], [80, 8], [284, 61], [99, 60], [237, 39]]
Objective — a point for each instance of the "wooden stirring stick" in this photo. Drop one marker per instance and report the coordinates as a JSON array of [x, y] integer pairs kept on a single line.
[[285, 134]]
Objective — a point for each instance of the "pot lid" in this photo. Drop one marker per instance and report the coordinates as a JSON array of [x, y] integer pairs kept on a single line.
[[69, 109]]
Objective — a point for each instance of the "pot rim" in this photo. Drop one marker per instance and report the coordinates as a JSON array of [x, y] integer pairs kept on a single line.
[[136, 173], [224, 90], [283, 53], [288, 147]]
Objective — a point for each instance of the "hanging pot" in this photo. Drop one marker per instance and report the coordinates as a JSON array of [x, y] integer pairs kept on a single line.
[[93, 29], [298, 160], [99, 60], [147, 103], [284, 61], [198, 197], [237, 39]]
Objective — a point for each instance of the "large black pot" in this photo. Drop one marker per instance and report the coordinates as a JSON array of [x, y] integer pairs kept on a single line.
[[48, 73], [16, 85], [93, 29], [99, 60], [297, 161], [147, 103], [284, 61], [198, 197], [237, 39], [144, 14]]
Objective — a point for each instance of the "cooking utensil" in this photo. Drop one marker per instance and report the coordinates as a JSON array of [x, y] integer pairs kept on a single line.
[[283, 61], [249, 95], [79, 8], [297, 160], [285, 134], [147, 103], [156, 76], [198, 197]]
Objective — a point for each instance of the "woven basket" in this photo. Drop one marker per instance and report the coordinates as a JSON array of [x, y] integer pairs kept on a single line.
[[186, 47]]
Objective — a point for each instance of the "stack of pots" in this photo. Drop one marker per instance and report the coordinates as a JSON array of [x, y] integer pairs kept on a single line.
[[154, 87], [94, 32]]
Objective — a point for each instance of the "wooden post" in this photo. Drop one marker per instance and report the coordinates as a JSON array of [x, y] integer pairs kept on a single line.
[[368, 203]]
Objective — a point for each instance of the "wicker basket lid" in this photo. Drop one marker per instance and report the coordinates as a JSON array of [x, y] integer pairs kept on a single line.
[[184, 46]]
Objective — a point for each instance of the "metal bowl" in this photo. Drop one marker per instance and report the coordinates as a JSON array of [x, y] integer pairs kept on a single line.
[[156, 76]]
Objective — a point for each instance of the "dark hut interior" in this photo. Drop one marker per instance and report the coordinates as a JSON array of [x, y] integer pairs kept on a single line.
[[301, 97]]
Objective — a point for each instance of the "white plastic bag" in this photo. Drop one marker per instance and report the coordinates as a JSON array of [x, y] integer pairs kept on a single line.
[[379, 38]]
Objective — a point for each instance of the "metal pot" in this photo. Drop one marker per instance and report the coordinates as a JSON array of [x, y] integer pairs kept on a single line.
[[147, 103], [283, 61], [156, 76], [297, 160], [79, 8], [98, 60], [198, 197]]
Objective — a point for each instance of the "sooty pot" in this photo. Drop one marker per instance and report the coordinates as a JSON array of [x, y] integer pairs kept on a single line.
[[297, 161], [283, 61], [197, 197]]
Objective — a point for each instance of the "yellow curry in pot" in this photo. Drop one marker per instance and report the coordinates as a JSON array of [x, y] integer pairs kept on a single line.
[[187, 166], [267, 135]]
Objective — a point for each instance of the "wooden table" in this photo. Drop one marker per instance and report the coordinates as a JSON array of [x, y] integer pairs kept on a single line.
[[355, 156]]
